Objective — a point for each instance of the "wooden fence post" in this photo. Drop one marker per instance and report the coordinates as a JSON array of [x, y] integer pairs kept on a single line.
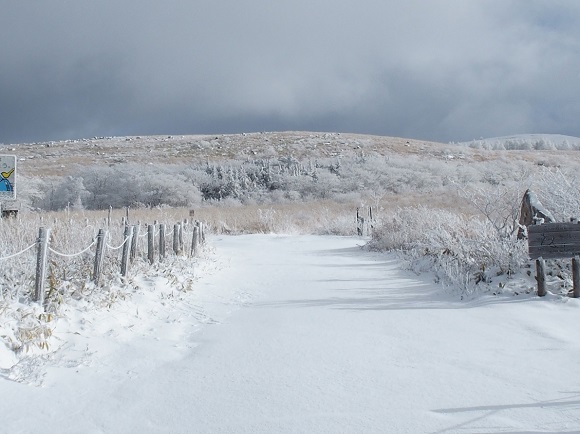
[[150, 243], [133, 242], [576, 276], [195, 241], [181, 237], [41, 259], [202, 232], [161, 241], [176, 238], [358, 223], [541, 276], [99, 256], [128, 236]]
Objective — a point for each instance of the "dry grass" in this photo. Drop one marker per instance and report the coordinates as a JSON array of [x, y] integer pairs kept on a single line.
[[312, 217], [317, 216]]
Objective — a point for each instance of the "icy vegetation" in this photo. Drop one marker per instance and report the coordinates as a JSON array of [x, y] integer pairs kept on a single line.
[[26, 326], [449, 209], [528, 142]]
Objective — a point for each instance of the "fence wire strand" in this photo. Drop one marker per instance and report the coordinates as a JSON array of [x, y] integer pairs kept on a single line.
[[19, 253], [117, 248], [65, 255]]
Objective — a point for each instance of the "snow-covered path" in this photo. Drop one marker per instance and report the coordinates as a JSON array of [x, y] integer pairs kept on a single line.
[[308, 334]]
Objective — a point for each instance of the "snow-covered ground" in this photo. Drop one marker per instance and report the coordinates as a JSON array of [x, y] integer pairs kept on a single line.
[[304, 334]]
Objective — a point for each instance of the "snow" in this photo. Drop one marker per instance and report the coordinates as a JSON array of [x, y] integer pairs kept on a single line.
[[527, 141], [303, 334]]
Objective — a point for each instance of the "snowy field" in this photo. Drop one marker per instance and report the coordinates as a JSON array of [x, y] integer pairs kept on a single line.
[[304, 334]]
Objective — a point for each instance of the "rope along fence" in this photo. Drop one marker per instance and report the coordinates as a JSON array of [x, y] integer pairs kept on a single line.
[[154, 238]]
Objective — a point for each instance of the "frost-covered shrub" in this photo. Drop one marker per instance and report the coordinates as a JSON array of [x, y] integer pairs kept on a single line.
[[559, 191], [134, 186], [499, 205], [462, 251]]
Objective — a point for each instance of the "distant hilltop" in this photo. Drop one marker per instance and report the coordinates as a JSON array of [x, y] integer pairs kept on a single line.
[[522, 142]]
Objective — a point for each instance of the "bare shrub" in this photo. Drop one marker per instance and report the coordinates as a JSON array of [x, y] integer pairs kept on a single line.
[[499, 205]]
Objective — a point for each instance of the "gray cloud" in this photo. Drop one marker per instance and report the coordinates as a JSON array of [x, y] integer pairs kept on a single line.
[[438, 70]]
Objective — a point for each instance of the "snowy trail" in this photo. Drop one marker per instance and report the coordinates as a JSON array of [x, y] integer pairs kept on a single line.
[[307, 334]]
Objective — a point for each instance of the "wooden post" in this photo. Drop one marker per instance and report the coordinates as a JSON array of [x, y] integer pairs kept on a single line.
[[359, 223], [201, 232], [150, 243], [109, 216], [99, 256], [181, 237], [576, 276], [161, 241], [541, 276], [195, 241], [128, 236], [41, 259], [133, 242], [176, 238]]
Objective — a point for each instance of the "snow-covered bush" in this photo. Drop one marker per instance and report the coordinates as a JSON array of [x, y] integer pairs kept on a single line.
[[128, 185], [462, 251], [559, 191]]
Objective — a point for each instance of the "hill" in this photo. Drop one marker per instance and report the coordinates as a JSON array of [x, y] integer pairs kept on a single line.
[[66, 157], [63, 157], [267, 167]]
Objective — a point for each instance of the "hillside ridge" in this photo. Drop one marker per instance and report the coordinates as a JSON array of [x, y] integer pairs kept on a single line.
[[61, 158]]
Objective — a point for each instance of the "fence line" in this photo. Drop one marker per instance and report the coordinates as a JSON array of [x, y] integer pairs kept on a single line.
[[129, 245]]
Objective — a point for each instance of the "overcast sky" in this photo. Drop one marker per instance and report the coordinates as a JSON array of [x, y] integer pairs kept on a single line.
[[444, 70]]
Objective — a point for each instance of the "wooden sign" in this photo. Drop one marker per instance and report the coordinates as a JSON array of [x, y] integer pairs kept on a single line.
[[554, 240]]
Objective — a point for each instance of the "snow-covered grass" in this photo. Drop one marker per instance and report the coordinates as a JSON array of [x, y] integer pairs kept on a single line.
[[26, 328], [466, 253], [475, 249]]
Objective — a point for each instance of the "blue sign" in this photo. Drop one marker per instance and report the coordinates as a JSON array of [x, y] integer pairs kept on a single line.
[[7, 177]]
